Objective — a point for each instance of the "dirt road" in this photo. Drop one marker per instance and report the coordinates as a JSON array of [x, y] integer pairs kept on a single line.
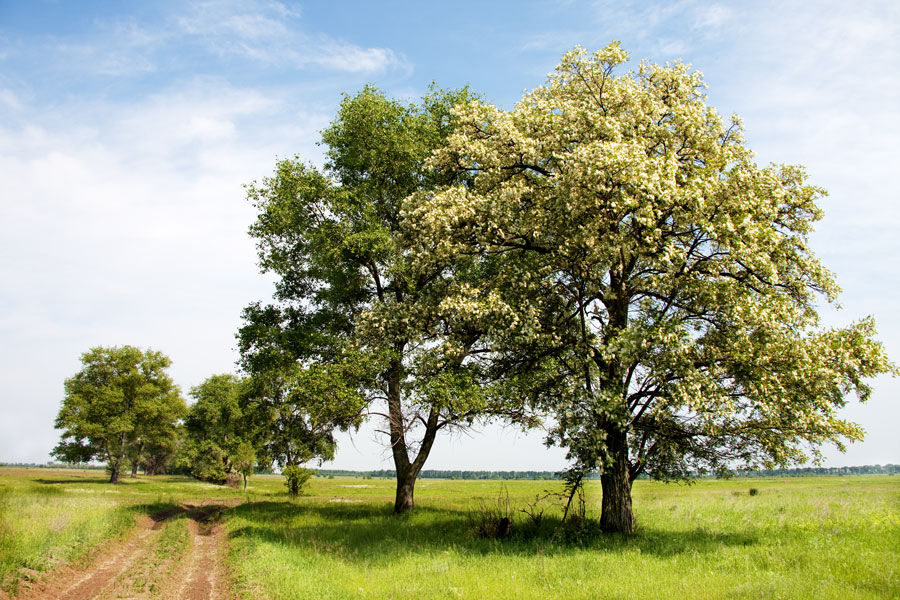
[[149, 565]]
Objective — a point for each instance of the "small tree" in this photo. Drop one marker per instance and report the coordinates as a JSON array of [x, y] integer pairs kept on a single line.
[[216, 426], [654, 290], [120, 394], [244, 459], [295, 478], [295, 410]]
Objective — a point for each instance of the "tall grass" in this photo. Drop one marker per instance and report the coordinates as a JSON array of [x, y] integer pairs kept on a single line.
[[41, 527], [53, 517], [814, 537], [797, 538]]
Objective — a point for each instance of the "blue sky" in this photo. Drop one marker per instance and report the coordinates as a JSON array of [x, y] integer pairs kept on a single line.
[[127, 130]]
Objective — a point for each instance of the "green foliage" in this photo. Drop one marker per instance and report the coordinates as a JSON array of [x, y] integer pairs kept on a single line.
[[359, 317], [220, 433], [803, 538], [205, 461], [301, 407], [654, 288], [295, 478], [121, 402], [244, 459]]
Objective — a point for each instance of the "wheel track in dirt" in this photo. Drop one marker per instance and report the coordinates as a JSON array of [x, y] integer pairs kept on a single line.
[[135, 568], [204, 573]]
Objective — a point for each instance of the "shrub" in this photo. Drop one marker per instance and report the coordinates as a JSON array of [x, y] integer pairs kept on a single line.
[[233, 479], [494, 522], [295, 478]]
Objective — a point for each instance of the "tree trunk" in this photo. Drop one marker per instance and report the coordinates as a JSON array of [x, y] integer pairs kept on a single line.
[[116, 464], [137, 461], [245, 480], [114, 473], [407, 470], [406, 484], [616, 515], [406, 477]]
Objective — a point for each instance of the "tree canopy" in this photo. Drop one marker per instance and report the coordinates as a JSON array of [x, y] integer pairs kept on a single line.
[[121, 401], [359, 313], [215, 427], [654, 289]]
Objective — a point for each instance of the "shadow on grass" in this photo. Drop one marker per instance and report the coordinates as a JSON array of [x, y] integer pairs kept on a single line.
[[371, 534], [75, 481], [123, 482]]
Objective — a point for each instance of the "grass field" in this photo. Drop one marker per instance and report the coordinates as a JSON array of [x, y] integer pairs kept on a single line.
[[51, 517], [815, 537]]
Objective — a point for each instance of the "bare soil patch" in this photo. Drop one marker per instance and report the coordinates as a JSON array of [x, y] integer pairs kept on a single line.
[[138, 567]]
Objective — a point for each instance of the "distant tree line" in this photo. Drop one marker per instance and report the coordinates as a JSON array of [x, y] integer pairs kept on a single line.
[[889, 469], [439, 474]]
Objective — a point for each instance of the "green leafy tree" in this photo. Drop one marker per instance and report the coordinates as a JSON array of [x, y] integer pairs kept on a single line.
[[296, 410], [295, 478], [244, 459], [356, 304], [160, 452], [655, 288], [120, 396], [222, 431]]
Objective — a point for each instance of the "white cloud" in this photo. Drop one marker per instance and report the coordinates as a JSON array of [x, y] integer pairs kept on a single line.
[[712, 16], [118, 48], [266, 33], [354, 59], [9, 100], [246, 19], [127, 224]]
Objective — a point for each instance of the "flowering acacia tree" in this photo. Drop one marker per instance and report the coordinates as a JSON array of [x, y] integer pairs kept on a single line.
[[655, 289], [359, 295]]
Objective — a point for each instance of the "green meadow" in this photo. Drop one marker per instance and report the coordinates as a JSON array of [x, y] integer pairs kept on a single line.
[[52, 517], [816, 537]]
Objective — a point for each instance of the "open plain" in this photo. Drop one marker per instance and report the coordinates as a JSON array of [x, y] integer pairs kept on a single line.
[[69, 534]]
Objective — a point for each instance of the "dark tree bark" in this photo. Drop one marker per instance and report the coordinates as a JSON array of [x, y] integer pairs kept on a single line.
[[616, 515], [116, 463], [137, 460], [114, 473], [406, 479], [407, 470], [406, 484]]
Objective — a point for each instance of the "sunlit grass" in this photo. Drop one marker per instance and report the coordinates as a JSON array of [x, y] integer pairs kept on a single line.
[[818, 537], [50, 517], [798, 538]]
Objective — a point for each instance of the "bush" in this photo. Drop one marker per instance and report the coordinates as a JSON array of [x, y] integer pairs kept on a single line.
[[233, 479], [295, 478], [493, 522]]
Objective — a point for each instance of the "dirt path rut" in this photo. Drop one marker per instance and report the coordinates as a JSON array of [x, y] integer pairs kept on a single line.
[[159, 560]]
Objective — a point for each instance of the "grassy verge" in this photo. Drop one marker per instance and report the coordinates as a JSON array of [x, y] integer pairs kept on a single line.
[[796, 538], [53, 517]]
